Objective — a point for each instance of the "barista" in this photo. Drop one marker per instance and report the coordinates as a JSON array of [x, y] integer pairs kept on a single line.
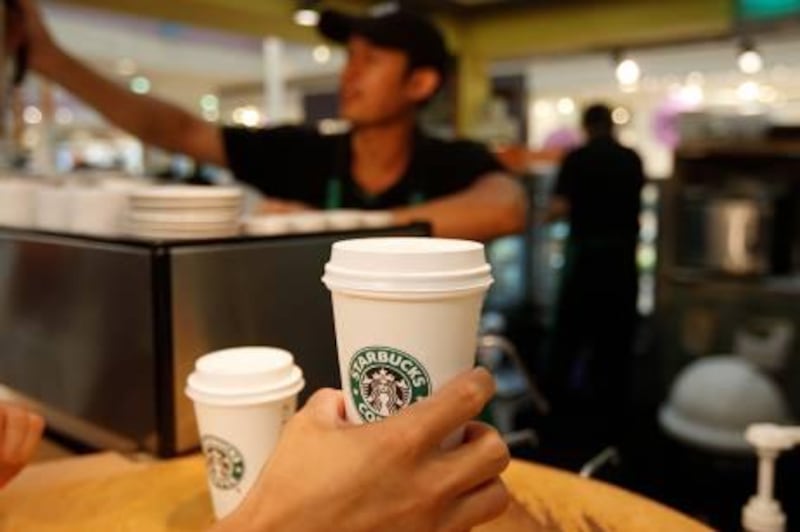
[[397, 61]]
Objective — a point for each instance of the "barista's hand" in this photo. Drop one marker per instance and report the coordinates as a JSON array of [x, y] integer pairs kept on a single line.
[[20, 434], [328, 474], [24, 25]]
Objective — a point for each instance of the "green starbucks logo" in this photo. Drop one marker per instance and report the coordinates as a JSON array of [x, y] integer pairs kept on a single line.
[[224, 463], [384, 380]]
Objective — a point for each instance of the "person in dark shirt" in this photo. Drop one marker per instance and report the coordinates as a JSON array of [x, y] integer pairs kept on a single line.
[[397, 61], [598, 190]]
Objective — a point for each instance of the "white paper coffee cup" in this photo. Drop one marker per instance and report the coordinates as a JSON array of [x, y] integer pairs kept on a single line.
[[406, 312], [242, 397]]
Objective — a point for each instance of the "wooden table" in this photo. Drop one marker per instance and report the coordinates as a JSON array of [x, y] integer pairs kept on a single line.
[[109, 493]]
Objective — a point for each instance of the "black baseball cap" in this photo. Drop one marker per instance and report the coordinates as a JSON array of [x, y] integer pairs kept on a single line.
[[397, 29]]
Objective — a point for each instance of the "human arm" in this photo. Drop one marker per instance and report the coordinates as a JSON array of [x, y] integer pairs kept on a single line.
[[152, 120], [493, 206], [326, 472], [20, 434]]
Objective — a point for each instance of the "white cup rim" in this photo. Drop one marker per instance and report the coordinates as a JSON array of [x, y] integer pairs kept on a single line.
[[434, 282], [209, 396]]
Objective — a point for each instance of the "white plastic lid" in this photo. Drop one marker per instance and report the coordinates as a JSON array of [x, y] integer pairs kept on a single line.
[[243, 375], [407, 264]]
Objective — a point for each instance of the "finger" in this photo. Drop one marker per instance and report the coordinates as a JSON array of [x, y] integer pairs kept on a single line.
[[32, 437], [326, 406], [475, 430], [433, 418], [16, 428], [479, 506], [481, 458]]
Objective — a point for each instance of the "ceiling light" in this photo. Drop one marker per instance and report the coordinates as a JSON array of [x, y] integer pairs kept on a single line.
[[321, 54], [750, 60], [209, 102], [248, 116], [306, 13], [749, 91], [306, 17], [627, 71], [621, 116], [566, 106], [691, 94], [140, 85], [32, 115]]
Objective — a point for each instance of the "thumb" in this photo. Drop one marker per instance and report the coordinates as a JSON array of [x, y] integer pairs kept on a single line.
[[326, 406]]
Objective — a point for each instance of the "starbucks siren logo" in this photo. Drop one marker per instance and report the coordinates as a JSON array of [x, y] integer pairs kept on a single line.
[[224, 463], [384, 380]]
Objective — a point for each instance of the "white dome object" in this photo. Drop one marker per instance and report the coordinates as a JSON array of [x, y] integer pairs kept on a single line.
[[714, 400]]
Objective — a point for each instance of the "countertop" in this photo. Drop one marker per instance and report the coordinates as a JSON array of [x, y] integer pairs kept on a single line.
[[108, 492]]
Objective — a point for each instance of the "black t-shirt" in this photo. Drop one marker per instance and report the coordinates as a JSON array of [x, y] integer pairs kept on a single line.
[[602, 181], [300, 164]]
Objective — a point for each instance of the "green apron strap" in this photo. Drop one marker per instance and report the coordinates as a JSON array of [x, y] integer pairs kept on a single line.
[[333, 198]]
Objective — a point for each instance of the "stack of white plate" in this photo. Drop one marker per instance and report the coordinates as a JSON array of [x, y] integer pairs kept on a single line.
[[316, 222], [184, 212], [17, 202]]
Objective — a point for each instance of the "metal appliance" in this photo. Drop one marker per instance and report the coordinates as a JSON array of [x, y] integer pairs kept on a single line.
[[103, 333], [730, 233], [737, 235]]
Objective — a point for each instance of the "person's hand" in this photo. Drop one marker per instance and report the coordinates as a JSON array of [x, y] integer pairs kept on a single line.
[[327, 474], [20, 434], [24, 26]]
